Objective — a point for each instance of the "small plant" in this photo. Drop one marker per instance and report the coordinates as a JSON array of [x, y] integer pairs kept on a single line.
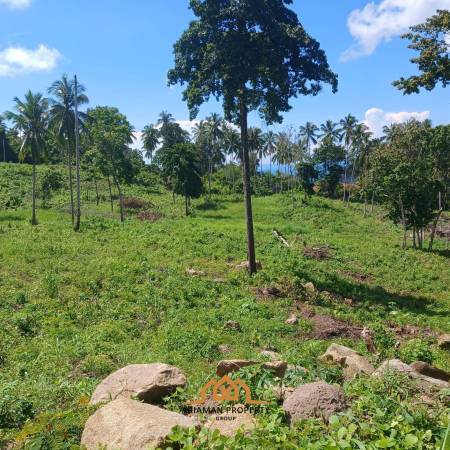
[[384, 340], [51, 181], [416, 350]]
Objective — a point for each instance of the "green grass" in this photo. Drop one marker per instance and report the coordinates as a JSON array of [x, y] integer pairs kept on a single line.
[[76, 306]]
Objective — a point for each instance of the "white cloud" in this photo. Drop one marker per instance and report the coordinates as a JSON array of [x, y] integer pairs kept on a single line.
[[376, 118], [382, 21], [16, 4], [18, 60]]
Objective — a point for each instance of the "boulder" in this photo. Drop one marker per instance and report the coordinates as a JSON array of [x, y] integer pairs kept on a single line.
[[444, 341], [229, 422], [310, 400], [224, 349], [277, 367], [271, 291], [125, 424], [291, 320], [232, 325], [232, 365], [149, 382], [282, 392], [423, 381], [430, 371], [195, 272], [309, 287], [353, 362], [245, 266], [274, 356]]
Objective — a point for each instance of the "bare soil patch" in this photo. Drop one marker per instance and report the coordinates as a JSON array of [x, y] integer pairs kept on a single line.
[[149, 216], [319, 253]]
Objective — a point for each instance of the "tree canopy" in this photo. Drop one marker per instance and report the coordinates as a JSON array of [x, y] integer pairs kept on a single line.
[[431, 40]]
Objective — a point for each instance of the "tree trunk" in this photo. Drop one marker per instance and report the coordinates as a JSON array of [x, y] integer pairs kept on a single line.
[[247, 186], [110, 195], [116, 182], [77, 156], [186, 204], [345, 173], [270, 172], [96, 190], [371, 206], [403, 221], [349, 191], [33, 193], [209, 179], [433, 229], [69, 165]]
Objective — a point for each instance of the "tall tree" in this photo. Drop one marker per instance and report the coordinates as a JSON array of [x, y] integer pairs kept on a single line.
[[150, 141], [62, 119], [170, 131], [111, 135], [254, 54], [180, 163], [330, 130], [269, 146], [431, 40], [256, 146], [348, 124], [30, 120], [309, 133]]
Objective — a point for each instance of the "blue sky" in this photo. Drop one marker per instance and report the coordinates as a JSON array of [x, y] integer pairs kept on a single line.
[[121, 51]]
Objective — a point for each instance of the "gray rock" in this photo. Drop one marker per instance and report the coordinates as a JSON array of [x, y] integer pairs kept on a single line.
[[125, 424], [430, 371], [444, 341], [232, 365], [423, 381], [310, 400], [149, 382], [277, 367], [230, 422], [353, 362], [292, 320]]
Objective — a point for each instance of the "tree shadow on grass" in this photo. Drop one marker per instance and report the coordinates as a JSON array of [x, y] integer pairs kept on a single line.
[[377, 296], [209, 205], [11, 217]]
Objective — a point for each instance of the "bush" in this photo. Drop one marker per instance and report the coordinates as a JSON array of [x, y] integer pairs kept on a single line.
[[416, 350], [384, 340], [14, 411], [134, 203]]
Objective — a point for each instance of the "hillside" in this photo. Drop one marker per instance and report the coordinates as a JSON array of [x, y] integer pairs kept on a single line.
[[76, 306]]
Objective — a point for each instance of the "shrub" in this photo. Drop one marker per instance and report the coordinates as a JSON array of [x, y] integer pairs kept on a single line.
[[416, 350], [134, 203], [14, 411], [384, 340]]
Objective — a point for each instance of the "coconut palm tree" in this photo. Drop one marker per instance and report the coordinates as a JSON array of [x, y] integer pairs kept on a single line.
[[309, 133], [348, 125], [269, 145], [361, 141], [3, 138], [330, 129], [255, 145], [232, 146], [62, 120], [150, 141], [30, 120]]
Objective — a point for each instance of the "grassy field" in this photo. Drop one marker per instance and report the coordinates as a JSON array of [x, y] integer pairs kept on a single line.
[[76, 306]]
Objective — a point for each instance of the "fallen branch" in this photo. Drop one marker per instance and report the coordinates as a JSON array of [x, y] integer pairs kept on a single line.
[[281, 238]]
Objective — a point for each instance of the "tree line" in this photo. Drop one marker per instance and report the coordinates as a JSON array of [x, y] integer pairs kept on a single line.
[[255, 56]]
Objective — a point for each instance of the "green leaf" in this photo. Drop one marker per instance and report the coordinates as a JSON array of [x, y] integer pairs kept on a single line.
[[411, 440]]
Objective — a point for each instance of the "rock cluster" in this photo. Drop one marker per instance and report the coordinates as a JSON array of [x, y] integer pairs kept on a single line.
[[130, 420]]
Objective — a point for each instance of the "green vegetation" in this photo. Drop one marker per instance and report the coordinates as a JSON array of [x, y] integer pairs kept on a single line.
[[76, 306]]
